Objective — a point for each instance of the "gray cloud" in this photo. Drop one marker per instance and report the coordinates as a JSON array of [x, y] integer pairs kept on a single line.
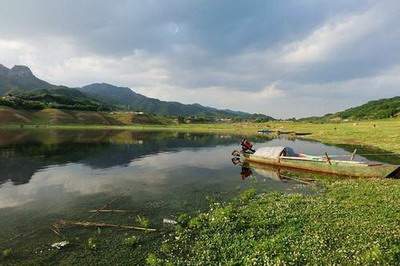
[[275, 53]]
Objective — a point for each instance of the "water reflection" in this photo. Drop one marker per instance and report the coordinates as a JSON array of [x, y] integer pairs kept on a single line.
[[47, 175], [23, 153]]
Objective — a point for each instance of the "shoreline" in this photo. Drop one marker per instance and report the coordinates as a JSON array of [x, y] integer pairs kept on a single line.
[[376, 134]]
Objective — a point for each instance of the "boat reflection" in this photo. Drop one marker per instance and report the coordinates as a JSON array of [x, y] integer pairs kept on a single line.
[[246, 172], [277, 174]]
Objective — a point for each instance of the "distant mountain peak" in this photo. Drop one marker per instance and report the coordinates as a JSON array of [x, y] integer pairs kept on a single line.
[[21, 71], [3, 70]]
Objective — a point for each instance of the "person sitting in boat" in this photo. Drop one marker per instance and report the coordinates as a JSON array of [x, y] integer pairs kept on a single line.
[[247, 146]]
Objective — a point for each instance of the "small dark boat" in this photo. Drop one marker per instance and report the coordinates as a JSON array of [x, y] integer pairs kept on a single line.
[[264, 131], [302, 133]]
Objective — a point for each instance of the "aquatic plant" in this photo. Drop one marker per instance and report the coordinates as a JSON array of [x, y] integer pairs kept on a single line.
[[7, 252], [131, 241], [143, 221], [153, 260], [91, 243]]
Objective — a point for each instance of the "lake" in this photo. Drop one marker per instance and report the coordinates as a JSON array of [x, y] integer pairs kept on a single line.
[[49, 175]]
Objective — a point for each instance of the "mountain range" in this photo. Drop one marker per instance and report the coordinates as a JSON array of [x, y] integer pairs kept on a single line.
[[19, 84]]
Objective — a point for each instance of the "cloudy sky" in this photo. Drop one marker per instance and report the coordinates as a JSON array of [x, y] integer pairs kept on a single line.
[[282, 58]]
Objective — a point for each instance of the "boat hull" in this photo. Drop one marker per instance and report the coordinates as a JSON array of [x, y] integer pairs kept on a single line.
[[350, 169]]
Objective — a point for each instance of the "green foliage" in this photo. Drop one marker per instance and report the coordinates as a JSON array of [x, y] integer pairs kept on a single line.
[[131, 241], [353, 222], [7, 252], [183, 219], [153, 260], [92, 243], [57, 98], [143, 221], [384, 108]]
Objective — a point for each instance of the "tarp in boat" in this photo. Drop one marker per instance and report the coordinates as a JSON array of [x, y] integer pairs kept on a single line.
[[274, 152]]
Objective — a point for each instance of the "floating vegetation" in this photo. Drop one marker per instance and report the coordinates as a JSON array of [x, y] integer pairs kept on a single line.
[[153, 260], [131, 241], [143, 221], [7, 252], [91, 243]]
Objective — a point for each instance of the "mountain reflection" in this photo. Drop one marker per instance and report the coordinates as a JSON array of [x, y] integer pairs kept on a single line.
[[23, 153]]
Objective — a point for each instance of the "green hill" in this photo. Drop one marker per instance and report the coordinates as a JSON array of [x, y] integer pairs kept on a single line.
[[22, 90], [383, 108], [377, 109]]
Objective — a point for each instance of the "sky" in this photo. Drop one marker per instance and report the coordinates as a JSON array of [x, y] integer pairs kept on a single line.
[[292, 58]]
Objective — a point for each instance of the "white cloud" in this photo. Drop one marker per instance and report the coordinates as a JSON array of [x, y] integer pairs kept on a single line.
[[334, 57], [329, 39]]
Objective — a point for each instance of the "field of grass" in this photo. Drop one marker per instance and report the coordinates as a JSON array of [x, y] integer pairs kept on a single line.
[[382, 134], [352, 222]]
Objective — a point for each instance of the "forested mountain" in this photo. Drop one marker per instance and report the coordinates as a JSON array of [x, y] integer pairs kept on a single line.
[[20, 88], [128, 99]]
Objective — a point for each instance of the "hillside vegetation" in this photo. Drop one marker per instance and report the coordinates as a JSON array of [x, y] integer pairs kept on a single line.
[[378, 109], [57, 98], [384, 108], [51, 116], [125, 98]]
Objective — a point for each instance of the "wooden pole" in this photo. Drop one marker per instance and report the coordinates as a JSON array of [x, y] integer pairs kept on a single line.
[[353, 154], [327, 158], [111, 211]]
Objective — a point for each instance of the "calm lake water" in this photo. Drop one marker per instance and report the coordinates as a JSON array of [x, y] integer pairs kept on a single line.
[[48, 175]]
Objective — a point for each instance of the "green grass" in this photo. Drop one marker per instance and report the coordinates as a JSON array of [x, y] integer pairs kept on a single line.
[[352, 222], [382, 134]]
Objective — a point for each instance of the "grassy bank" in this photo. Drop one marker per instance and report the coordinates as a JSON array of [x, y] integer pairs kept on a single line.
[[352, 222], [382, 134]]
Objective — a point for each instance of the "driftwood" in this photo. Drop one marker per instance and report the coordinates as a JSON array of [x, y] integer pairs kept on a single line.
[[111, 211], [353, 154], [327, 158], [55, 231], [94, 224]]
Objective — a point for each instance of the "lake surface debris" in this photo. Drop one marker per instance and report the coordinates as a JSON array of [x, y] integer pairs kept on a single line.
[[63, 223]]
